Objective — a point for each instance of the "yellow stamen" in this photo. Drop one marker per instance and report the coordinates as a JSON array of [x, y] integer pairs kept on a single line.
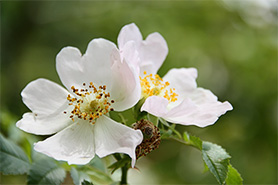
[[92, 104], [153, 85]]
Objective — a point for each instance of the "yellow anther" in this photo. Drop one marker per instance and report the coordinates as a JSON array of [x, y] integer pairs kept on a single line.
[[92, 102], [155, 86]]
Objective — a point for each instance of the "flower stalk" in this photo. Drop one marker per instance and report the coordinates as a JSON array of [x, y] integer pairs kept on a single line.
[[124, 175]]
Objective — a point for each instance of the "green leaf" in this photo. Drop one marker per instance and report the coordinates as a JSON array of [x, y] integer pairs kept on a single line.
[[46, 171], [217, 160], [12, 158], [192, 140], [78, 177], [233, 177], [186, 139]]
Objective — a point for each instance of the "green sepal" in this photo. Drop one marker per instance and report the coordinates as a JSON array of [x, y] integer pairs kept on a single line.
[[120, 163], [164, 122], [13, 159]]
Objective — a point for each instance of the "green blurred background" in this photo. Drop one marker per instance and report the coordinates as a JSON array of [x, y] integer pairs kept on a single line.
[[233, 44]]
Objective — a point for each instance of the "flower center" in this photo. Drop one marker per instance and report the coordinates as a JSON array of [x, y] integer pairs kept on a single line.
[[91, 103], [153, 85]]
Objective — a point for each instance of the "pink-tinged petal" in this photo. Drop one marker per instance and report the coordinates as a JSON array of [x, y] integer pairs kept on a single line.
[[203, 115], [206, 110], [130, 54], [74, 144], [186, 106], [188, 112], [48, 101], [183, 80], [156, 105], [112, 137], [126, 89], [152, 53], [159, 106], [202, 96], [94, 66], [129, 32]]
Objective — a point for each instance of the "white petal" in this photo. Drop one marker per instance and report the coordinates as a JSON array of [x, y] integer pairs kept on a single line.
[[183, 80], [202, 115], [159, 107], [130, 54], [48, 101], [112, 137], [44, 97], [45, 125], [152, 53], [129, 32], [206, 111], [75, 69], [75, 144], [70, 67], [188, 112], [147, 67], [98, 62], [126, 89], [156, 105]]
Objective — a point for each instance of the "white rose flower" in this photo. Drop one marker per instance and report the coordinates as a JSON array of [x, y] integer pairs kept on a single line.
[[96, 83], [175, 97]]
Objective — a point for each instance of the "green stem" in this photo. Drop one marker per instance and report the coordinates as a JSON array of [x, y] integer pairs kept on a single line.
[[182, 142], [124, 175], [124, 168]]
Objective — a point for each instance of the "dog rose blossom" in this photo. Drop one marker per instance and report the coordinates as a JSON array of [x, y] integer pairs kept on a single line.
[[96, 83], [175, 97]]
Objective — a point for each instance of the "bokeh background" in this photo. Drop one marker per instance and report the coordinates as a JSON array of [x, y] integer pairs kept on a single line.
[[233, 44]]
